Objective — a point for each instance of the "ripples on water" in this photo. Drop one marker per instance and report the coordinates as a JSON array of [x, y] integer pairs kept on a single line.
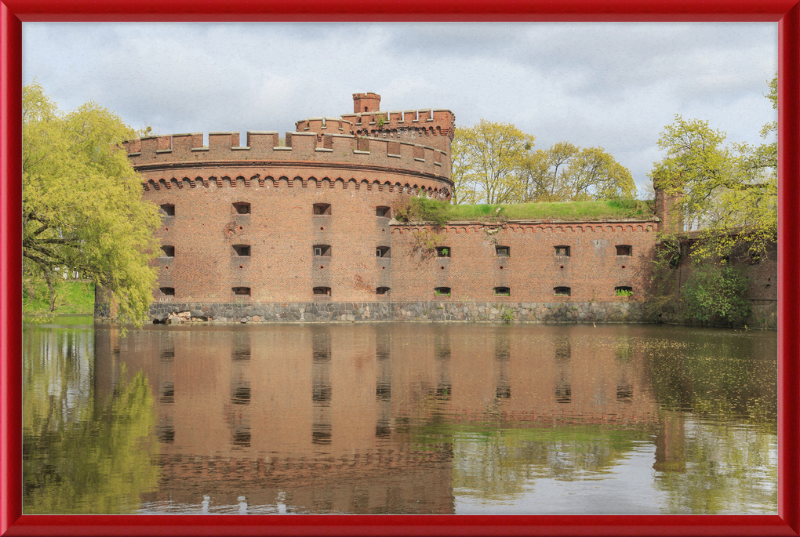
[[399, 418]]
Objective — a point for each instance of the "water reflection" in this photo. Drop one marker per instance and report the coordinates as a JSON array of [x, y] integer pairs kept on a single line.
[[439, 419]]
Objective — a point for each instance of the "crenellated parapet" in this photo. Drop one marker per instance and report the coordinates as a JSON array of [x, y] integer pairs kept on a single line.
[[263, 148], [433, 127]]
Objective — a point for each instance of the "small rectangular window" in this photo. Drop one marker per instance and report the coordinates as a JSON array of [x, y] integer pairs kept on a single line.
[[562, 250], [241, 250], [562, 291], [441, 291], [502, 251], [322, 291], [382, 251], [168, 209], [241, 291], [383, 212], [624, 249], [502, 291], [322, 250], [382, 291], [322, 209], [241, 208], [169, 251], [443, 251], [167, 291]]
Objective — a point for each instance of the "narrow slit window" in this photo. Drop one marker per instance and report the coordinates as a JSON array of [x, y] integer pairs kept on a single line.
[[168, 251], [562, 250], [562, 291], [382, 251], [322, 291], [241, 250], [441, 291], [322, 209], [241, 291], [167, 291], [382, 291], [624, 249], [241, 208], [383, 212], [168, 209], [443, 251], [623, 291], [502, 291], [502, 251], [322, 250]]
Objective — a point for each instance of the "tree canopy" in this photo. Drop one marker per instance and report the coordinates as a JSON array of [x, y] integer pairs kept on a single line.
[[728, 192], [496, 163], [82, 203]]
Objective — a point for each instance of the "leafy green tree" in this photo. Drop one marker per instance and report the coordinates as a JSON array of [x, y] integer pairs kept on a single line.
[[565, 172], [728, 192], [486, 162], [82, 203]]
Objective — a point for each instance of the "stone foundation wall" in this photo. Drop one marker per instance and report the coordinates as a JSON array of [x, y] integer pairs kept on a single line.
[[549, 312]]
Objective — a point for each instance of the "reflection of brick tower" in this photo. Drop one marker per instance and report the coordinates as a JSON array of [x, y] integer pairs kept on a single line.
[[668, 209], [366, 102], [670, 455]]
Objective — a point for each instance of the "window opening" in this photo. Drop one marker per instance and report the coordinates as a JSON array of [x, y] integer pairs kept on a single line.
[[322, 250], [168, 291], [383, 212], [168, 209], [502, 251], [323, 291], [443, 251], [562, 291], [624, 249], [383, 251], [382, 291], [241, 208], [241, 250], [322, 209], [441, 291], [169, 251], [562, 250], [241, 291], [502, 291], [623, 291]]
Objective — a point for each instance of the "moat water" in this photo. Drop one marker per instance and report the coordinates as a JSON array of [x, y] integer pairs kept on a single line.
[[398, 418]]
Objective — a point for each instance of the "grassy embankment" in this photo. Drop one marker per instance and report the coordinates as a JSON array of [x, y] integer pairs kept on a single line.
[[72, 298], [420, 209]]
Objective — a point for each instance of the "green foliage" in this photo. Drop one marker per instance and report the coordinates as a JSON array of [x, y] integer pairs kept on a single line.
[[730, 193], [715, 293], [380, 121], [82, 203], [507, 316], [565, 172], [439, 212], [71, 297], [623, 292]]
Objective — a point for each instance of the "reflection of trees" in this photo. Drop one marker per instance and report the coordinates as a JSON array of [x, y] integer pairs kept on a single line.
[[730, 469], [727, 378], [496, 464], [79, 455]]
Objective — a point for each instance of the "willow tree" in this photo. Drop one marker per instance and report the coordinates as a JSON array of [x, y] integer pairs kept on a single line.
[[82, 203]]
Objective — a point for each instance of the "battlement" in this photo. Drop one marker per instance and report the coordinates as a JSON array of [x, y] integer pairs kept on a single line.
[[332, 148]]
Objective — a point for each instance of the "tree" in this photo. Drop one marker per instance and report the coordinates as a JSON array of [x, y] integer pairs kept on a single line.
[[730, 193], [565, 172], [486, 162], [82, 203]]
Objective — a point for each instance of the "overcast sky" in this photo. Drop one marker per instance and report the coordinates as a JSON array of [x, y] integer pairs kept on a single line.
[[594, 84]]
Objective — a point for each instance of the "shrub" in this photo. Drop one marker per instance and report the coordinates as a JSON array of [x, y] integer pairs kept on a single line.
[[715, 293]]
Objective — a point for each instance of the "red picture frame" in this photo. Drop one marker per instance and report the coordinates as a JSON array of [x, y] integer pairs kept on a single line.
[[13, 12]]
